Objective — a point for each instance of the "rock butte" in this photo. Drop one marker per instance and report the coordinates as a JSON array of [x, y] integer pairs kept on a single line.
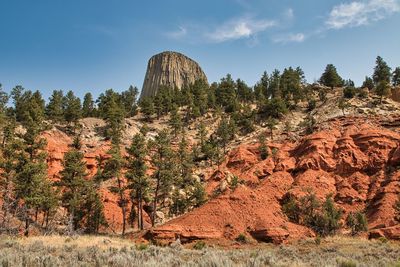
[[170, 69]]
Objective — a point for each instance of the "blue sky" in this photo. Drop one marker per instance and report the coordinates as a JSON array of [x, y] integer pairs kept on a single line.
[[93, 45]]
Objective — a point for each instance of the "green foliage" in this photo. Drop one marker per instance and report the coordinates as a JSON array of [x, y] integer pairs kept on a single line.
[[200, 245], [330, 77], [271, 125], [308, 124], [147, 107], [274, 108], [396, 77], [291, 209], [55, 109], [349, 92], [382, 72], [226, 95], [382, 89], [368, 83], [263, 149], [324, 219], [225, 131], [88, 108], [290, 85], [136, 175], [72, 108], [129, 99], [112, 110], [347, 263], [241, 238], [175, 120], [311, 105], [357, 222]]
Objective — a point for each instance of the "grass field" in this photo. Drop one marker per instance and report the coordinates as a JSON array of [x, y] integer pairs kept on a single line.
[[107, 251]]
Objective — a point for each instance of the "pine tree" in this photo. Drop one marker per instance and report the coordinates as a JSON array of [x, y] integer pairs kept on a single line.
[[88, 108], [147, 107], [396, 77], [113, 170], [330, 77], [175, 120], [226, 95], [3, 107], [264, 85], [55, 109], [72, 109], [271, 124], [129, 98], [382, 89], [274, 84], [225, 131], [245, 94], [136, 174], [382, 72], [73, 181], [368, 83], [112, 110], [165, 169]]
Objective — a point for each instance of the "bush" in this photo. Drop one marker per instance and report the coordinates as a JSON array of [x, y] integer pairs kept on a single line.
[[241, 238], [349, 92], [199, 245], [357, 222], [291, 209], [273, 108], [312, 103], [142, 246], [347, 263]]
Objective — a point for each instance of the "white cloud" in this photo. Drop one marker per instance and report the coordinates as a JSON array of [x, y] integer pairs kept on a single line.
[[289, 13], [178, 34], [239, 29], [358, 13], [290, 38]]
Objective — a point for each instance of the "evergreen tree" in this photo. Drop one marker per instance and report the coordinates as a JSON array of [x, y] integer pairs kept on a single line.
[[112, 110], [330, 77], [113, 170], [129, 98], [368, 83], [136, 174], [226, 95], [199, 91], [290, 85], [396, 77], [274, 108], [382, 89], [175, 120], [245, 94], [165, 169], [147, 107], [274, 84], [271, 124], [225, 131], [88, 108], [382, 72], [73, 183], [264, 85], [54, 109], [72, 108]]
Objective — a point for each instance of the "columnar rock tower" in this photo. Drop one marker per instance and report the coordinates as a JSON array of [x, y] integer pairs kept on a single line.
[[170, 69]]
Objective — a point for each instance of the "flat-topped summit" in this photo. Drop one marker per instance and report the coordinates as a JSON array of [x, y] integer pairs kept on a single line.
[[171, 69]]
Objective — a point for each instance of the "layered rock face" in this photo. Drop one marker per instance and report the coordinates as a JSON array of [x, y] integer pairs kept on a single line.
[[170, 69], [356, 161]]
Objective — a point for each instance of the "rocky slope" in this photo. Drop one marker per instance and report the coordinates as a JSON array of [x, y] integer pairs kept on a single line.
[[170, 69], [354, 158]]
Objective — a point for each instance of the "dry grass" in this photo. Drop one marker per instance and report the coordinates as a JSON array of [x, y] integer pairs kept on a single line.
[[105, 251]]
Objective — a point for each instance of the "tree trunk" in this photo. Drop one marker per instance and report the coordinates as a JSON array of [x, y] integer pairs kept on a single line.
[[123, 208], [153, 215], [26, 233]]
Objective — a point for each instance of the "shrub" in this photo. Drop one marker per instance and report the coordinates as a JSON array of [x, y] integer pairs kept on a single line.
[[312, 103], [357, 222], [318, 240], [199, 245], [347, 263], [349, 92], [291, 209], [397, 209], [241, 238], [142, 246]]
